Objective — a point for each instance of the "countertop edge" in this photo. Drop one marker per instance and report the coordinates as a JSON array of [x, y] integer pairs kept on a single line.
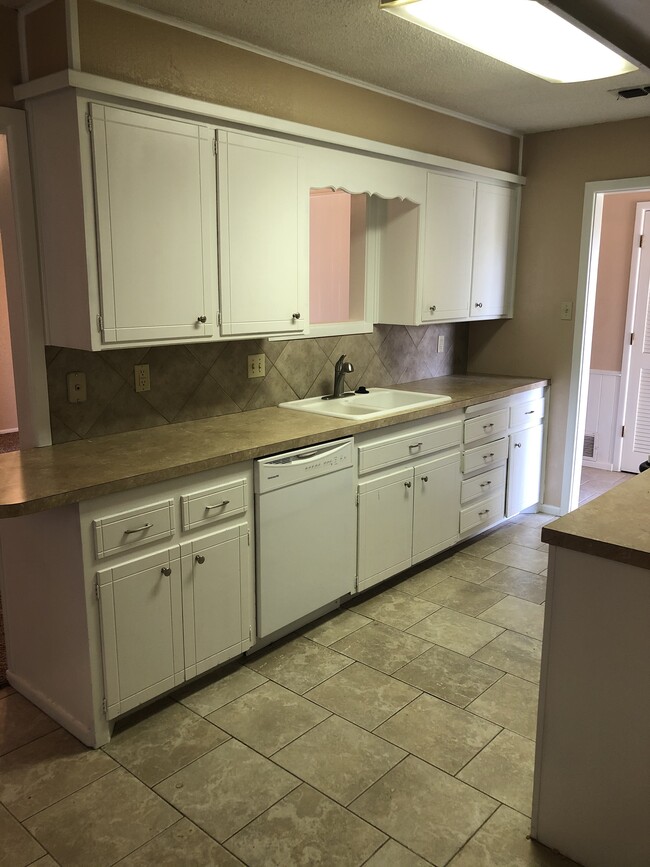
[[596, 548]]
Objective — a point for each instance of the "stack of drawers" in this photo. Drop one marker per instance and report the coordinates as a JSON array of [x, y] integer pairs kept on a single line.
[[485, 452]]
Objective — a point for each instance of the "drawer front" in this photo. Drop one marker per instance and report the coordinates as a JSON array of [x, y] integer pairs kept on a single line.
[[490, 424], [489, 455], [126, 530], [213, 504], [527, 413], [481, 486], [393, 450], [484, 512]]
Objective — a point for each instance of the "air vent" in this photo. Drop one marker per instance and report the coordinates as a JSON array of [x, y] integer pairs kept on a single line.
[[589, 446], [633, 92]]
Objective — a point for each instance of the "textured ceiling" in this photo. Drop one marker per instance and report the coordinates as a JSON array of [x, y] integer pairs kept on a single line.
[[353, 38]]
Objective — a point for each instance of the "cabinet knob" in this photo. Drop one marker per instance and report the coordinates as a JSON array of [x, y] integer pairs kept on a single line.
[[166, 571], [517, 445], [407, 484], [295, 315], [425, 478], [433, 308], [478, 304], [201, 319], [200, 559]]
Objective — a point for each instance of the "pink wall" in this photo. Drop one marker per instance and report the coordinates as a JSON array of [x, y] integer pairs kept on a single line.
[[8, 417], [619, 211]]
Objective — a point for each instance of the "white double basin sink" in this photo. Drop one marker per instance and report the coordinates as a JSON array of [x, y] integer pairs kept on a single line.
[[375, 403]]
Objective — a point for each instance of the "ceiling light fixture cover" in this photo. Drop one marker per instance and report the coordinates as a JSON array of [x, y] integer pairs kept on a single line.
[[521, 33]]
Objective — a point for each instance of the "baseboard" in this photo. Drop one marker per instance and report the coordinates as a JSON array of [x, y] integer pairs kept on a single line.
[[9, 430], [550, 510], [599, 465]]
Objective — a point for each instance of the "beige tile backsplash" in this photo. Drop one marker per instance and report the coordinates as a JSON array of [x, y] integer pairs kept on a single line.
[[200, 380]]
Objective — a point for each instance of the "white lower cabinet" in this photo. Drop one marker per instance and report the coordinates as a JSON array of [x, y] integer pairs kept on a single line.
[[524, 469], [435, 506]]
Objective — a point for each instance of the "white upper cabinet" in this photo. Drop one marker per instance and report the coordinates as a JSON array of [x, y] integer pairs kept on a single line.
[[262, 236], [493, 259], [156, 226]]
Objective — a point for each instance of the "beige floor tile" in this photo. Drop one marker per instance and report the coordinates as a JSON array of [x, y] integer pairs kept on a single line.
[[363, 695], [17, 847], [335, 627], [298, 664], [6, 691], [304, 829], [504, 770], [519, 615], [421, 581], [511, 703], [436, 821], [268, 718], [463, 596], [439, 733], [161, 740], [382, 647], [46, 770], [520, 534], [469, 568], [518, 582], [208, 694], [111, 817], [21, 722], [339, 759], [395, 608], [534, 519], [448, 675], [520, 557], [182, 844], [227, 788], [504, 840], [393, 854], [486, 545], [517, 654], [455, 631]]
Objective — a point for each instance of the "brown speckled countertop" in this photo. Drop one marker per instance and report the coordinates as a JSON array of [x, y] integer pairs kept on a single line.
[[34, 480], [615, 525]]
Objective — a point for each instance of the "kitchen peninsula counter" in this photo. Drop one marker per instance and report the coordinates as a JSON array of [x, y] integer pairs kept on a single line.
[[38, 479]]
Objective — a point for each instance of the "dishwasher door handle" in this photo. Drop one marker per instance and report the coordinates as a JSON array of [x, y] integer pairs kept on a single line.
[[302, 457]]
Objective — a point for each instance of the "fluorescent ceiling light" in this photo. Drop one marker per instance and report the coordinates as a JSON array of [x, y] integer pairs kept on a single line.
[[522, 33]]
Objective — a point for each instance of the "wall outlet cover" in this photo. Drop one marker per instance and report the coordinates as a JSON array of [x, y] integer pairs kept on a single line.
[[76, 387], [141, 377]]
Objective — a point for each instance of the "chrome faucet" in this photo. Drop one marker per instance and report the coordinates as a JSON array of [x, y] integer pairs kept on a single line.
[[340, 369]]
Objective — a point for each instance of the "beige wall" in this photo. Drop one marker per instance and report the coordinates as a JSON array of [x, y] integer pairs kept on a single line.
[[536, 342], [8, 416], [46, 39], [9, 56], [619, 213]]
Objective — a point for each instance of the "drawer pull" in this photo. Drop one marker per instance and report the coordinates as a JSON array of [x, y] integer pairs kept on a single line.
[[407, 484], [478, 304], [425, 478], [486, 426], [166, 571], [432, 308], [200, 559], [138, 529], [217, 505], [485, 484], [529, 412], [484, 512], [415, 446], [488, 457], [517, 445]]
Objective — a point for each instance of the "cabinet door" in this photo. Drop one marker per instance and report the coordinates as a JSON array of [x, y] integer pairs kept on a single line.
[[449, 240], [524, 469], [216, 604], [156, 226], [493, 251], [436, 507], [262, 236], [385, 526], [142, 629]]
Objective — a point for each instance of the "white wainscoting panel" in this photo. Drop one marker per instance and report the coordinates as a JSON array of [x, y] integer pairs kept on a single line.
[[602, 406]]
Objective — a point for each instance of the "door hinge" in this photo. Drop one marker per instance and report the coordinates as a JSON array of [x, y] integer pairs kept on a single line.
[[100, 323], [623, 431], [89, 123], [631, 338]]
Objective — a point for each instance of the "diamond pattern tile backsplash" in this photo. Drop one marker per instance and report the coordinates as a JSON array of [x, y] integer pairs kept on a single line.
[[201, 380]]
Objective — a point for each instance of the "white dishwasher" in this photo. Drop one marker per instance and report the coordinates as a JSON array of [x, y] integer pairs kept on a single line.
[[306, 531]]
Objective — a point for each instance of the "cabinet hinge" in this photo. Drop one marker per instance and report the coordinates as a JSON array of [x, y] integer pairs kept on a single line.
[[214, 146], [357, 499], [219, 318], [104, 705], [641, 240], [100, 323], [250, 633], [623, 431], [631, 338], [89, 123], [97, 589], [248, 537]]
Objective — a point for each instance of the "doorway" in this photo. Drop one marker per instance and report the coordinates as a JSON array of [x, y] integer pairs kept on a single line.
[[9, 440]]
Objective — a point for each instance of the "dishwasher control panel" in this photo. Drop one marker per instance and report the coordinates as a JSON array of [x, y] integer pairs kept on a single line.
[[302, 464]]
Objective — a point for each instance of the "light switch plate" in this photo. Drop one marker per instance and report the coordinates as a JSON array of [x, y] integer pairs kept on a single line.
[[256, 366], [441, 343], [566, 310], [76, 387]]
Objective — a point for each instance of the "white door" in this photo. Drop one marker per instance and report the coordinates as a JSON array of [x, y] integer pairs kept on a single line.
[[636, 437], [155, 192], [263, 214], [385, 526], [524, 469], [142, 629], [436, 507], [215, 597], [449, 241], [493, 251]]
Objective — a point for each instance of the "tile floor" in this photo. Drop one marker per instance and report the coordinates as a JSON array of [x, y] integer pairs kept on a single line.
[[398, 732], [595, 482]]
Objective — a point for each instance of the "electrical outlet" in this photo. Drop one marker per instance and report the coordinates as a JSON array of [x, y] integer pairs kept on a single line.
[[256, 365], [76, 387], [441, 343], [566, 310], [141, 377]]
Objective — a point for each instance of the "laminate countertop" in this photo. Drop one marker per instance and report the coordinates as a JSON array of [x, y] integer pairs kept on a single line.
[[34, 480], [615, 525]]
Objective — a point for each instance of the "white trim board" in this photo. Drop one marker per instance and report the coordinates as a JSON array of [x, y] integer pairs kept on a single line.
[[239, 118]]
